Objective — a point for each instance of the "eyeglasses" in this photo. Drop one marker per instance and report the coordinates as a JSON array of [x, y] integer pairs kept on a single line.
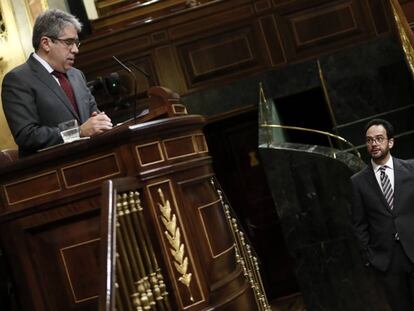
[[68, 42], [377, 139]]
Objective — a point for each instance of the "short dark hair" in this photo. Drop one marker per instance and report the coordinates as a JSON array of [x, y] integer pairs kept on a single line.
[[51, 23], [387, 125]]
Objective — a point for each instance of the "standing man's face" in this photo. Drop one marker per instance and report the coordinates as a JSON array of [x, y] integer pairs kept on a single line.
[[378, 144], [61, 51]]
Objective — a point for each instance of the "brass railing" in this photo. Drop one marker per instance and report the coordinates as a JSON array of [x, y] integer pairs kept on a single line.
[[245, 255], [139, 280], [267, 117], [327, 134]]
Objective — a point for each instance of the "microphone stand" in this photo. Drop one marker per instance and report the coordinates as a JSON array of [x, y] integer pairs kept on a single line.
[[143, 72], [135, 84]]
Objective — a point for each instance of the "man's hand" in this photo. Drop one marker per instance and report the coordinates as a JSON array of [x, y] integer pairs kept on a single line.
[[97, 123]]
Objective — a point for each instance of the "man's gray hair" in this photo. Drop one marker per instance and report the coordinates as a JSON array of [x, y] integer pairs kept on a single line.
[[51, 23]]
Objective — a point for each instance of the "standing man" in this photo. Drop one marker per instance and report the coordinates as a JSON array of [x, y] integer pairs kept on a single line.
[[383, 215], [47, 90]]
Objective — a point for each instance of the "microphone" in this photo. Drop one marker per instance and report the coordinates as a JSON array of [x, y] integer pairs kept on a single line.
[[135, 84], [143, 72]]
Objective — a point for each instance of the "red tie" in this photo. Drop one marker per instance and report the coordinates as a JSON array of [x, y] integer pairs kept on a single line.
[[67, 88]]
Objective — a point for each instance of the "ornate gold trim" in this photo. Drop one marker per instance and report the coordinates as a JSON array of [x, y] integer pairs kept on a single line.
[[244, 255], [171, 268], [405, 34], [173, 236], [67, 270], [45, 5], [3, 27]]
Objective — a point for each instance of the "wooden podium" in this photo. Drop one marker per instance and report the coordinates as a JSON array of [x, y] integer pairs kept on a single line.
[[51, 212]]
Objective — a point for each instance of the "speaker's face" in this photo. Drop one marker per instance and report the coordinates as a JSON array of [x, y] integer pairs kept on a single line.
[[62, 50], [378, 144]]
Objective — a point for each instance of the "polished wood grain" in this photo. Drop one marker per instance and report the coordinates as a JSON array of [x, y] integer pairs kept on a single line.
[[194, 49], [51, 217]]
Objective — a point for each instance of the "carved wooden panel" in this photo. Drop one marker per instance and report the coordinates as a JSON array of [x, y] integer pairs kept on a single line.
[[179, 147], [378, 11], [99, 169], [201, 143], [168, 69], [219, 20], [274, 46], [322, 24], [226, 40], [65, 251], [220, 54], [150, 153], [83, 285], [315, 28], [408, 8], [211, 229], [262, 5], [28, 188]]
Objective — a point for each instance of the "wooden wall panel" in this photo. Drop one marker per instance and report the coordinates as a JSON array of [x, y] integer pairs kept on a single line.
[[408, 8], [321, 25], [272, 40], [221, 40], [262, 5], [168, 69], [221, 20], [314, 28], [378, 10], [65, 246], [220, 54]]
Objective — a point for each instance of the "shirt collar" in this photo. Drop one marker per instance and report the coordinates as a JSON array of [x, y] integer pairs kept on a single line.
[[43, 62], [389, 164]]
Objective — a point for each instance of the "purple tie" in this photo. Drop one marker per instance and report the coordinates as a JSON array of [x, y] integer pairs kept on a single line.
[[67, 88]]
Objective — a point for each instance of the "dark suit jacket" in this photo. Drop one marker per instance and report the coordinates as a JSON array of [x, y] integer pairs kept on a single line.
[[34, 104], [374, 223]]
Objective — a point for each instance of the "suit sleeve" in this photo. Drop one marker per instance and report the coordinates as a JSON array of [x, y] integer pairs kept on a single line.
[[90, 99], [359, 221], [21, 113]]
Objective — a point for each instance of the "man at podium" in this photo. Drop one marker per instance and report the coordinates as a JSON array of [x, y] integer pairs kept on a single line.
[[46, 90]]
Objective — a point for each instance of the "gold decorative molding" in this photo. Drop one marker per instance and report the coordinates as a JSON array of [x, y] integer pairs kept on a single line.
[[3, 28], [183, 300], [244, 253], [173, 235], [405, 34], [35, 7]]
